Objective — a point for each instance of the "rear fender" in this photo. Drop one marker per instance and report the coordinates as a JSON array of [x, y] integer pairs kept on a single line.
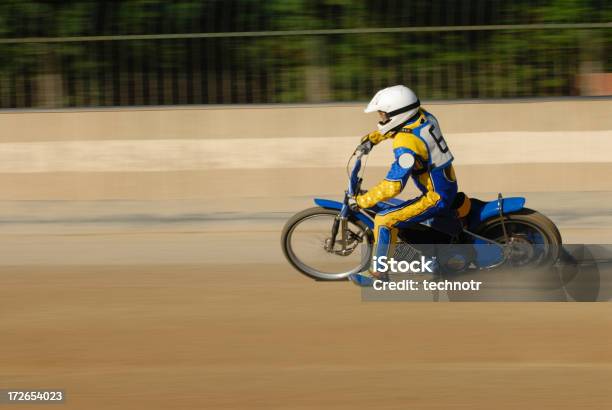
[[481, 211]]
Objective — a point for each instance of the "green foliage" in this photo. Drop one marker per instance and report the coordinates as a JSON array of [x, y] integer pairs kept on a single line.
[[275, 69]]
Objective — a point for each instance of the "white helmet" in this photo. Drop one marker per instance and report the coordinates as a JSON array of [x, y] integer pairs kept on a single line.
[[399, 102]]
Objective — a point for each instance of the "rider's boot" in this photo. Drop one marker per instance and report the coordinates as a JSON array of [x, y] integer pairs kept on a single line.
[[367, 278], [384, 242]]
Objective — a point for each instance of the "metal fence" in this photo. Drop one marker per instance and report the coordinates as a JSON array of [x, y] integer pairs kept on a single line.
[[259, 62]]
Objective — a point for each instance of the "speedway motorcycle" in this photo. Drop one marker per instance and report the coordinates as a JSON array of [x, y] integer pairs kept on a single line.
[[332, 240]]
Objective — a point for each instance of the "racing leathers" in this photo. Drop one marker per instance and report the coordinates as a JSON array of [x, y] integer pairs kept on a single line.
[[420, 151]]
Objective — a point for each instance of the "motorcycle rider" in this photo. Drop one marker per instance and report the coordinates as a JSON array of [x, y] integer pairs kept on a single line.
[[420, 152]]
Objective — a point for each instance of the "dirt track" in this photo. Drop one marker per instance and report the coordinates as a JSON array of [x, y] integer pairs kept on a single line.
[[196, 337], [83, 310]]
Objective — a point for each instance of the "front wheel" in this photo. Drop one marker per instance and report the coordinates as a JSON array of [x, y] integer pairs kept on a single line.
[[307, 244], [533, 240]]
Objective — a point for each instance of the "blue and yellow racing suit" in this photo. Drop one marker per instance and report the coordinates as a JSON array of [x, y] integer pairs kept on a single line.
[[421, 152]]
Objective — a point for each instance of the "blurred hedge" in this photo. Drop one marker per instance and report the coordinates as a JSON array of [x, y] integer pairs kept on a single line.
[[312, 68]]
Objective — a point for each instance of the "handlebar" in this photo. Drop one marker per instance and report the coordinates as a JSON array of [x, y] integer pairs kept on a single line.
[[354, 179]]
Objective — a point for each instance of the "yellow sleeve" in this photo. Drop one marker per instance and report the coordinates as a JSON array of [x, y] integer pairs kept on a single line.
[[381, 192]]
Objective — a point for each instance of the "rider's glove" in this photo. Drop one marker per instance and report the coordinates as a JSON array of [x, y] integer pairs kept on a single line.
[[353, 204], [365, 147], [374, 137]]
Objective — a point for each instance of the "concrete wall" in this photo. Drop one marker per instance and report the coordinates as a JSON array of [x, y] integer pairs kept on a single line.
[[293, 121], [201, 152]]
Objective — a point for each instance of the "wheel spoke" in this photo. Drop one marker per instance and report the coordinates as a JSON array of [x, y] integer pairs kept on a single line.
[[527, 244], [308, 244]]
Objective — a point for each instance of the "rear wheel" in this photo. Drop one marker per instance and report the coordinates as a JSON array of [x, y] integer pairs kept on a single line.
[[307, 244], [534, 239]]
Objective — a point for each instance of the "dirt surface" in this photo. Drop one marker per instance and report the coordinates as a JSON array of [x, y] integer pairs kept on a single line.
[[206, 336], [129, 305]]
